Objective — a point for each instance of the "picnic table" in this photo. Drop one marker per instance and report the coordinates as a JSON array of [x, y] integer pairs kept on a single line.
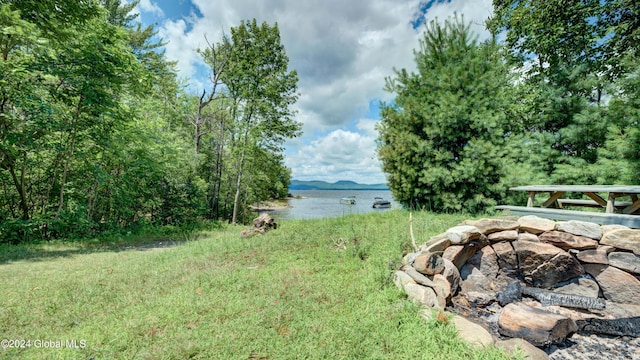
[[624, 212]]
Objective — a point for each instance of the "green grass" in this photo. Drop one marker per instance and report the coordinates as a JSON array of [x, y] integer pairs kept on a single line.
[[312, 289]]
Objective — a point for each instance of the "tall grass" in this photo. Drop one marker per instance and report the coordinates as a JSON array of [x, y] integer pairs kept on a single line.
[[312, 289]]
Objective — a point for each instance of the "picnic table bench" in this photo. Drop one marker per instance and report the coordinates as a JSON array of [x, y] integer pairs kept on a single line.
[[615, 212]]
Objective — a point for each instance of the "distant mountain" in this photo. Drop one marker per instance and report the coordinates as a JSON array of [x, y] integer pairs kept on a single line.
[[338, 185]]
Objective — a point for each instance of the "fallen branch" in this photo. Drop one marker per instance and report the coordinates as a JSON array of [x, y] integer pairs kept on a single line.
[[616, 327], [548, 298]]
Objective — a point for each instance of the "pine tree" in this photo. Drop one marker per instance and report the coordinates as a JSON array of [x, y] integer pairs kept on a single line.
[[442, 138]]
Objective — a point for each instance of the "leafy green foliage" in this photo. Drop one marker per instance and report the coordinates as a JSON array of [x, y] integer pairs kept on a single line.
[[242, 137], [577, 60], [94, 123], [442, 140]]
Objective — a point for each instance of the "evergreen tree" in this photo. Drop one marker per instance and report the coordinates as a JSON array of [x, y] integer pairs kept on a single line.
[[442, 138]]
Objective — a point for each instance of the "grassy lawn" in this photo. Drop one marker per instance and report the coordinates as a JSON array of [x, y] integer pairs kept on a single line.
[[312, 289]]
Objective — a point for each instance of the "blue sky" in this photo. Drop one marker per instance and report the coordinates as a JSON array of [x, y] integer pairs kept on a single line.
[[342, 51]]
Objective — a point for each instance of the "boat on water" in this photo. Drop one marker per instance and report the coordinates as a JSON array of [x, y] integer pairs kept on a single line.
[[349, 200], [380, 203]]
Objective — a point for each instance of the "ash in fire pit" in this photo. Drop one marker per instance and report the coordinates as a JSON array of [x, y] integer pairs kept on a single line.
[[561, 286]]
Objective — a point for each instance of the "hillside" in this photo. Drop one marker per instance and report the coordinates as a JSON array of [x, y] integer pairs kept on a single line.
[[338, 185]]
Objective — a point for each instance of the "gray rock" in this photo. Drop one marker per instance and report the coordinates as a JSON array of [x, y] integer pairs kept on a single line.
[[595, 256], [416, 276], [513, 293], [400, 278], [409, 258], [436, 244], [525, 236], [535, 224], [625, 261], [580, 228], [627, 239], [467, 330], [617, 285], [489, 226], [611, 227], [544, 265], [442, 289], [452, 274], [459, 254], [583, 286], [421, 294], [530, 352], [462, 234], [566, 241], [473, 280], [472, 332], [507, 235]]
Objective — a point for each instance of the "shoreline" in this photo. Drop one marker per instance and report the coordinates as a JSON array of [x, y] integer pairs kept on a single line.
[[271, 205]]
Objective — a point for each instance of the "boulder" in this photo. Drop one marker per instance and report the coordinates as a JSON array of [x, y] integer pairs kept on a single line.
[[429, 263], [467, 330], [436, 244], [566, 241], [627, 239], [580, 228], [524, 347], [535, 224], [421, 294], [488, 270], [452, 274], [400, 278], [539, 327], [442, 289], [507, 235], [525, 236], [595, 256], [489, 226], [611, 227], [625, 261], [583, 285], [472, 332], [473, 280], [416, 276], [463, 234], [485, 261], [544, 265], [617, 285], [409, 258], [459, 254]]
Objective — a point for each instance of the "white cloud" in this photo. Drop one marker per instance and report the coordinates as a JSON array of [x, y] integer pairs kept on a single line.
[[339, 155], [151, 7], [342, 51]]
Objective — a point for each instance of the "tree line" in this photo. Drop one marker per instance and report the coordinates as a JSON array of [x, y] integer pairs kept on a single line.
[[98, 134], [552, 97]]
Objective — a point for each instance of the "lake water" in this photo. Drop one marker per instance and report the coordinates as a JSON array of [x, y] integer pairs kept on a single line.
[[326, 203]]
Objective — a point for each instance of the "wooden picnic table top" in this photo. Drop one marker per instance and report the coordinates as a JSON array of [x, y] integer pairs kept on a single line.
[[621, 189]]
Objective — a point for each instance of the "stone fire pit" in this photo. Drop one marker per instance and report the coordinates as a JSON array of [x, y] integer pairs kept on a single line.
[[540, 284]]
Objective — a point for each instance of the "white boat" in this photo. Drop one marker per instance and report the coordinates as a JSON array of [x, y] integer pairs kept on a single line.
[[380, 203], [349, 200]]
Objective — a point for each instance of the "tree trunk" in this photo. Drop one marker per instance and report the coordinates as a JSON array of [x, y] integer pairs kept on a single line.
[[19, 184], [236, 199], [63, 181]]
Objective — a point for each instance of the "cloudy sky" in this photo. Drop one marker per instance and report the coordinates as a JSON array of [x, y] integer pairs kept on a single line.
[[342, 51]]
